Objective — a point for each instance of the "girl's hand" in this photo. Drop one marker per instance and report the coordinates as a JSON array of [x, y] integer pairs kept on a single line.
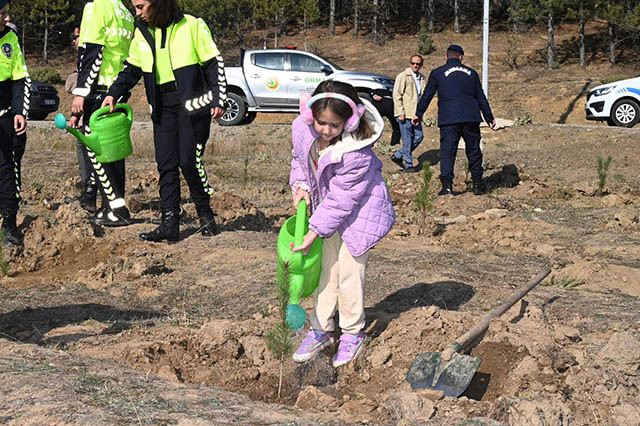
[[19, 124], [306, 243], [301, 194], [108, 101]]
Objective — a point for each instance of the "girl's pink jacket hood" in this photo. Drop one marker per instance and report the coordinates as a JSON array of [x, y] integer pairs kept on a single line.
[[355, 198]]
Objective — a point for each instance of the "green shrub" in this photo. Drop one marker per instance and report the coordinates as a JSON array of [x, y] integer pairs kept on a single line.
[[523, 119], [46, 75], [425, 41]]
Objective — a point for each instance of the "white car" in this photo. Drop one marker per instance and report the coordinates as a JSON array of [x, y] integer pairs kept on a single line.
[[618, 103]]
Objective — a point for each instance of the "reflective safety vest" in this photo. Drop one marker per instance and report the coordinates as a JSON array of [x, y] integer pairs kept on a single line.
[[182, 53], [15, 83], [106, 31]]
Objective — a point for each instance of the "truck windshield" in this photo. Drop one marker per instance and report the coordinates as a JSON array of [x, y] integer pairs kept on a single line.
[[338, 67]]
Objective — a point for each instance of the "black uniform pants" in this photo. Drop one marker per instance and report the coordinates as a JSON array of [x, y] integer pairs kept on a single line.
[[180, 142], [449, 137], [110, 177], [11, 150]]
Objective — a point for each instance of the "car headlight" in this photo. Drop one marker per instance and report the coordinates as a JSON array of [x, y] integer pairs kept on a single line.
[[603, 91]]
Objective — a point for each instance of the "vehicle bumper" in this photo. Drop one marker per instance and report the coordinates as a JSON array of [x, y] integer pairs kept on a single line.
[[597, 110]]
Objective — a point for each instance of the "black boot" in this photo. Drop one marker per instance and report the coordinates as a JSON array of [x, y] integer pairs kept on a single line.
[[12, 235], [88, 197], [208, 226], [478, 187], [116, 217], [447, 189], [168, 230]]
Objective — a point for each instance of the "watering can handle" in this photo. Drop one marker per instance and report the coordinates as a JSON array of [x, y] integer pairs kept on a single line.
[[106, 109], [298, 236]]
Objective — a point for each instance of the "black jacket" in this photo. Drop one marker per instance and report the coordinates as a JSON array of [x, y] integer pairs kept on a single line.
[[460, 95]]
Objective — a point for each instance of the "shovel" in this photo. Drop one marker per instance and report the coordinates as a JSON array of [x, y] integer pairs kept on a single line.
[[449, 373]]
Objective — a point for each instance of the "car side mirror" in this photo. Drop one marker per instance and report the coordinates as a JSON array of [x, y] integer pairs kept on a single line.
[[326, 69]]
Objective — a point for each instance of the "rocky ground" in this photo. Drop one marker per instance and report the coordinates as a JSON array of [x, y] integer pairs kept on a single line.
[[98, 327]]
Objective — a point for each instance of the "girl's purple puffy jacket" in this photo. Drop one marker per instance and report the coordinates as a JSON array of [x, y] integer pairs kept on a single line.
[[355, 198]]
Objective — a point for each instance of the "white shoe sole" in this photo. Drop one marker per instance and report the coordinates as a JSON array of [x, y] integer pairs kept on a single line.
[[309, 355]]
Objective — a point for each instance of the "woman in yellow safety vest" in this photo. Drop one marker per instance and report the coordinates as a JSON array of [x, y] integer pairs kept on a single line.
[[186, 87]]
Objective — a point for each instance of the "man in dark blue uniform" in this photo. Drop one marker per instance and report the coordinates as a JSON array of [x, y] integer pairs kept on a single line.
[[460, 101]]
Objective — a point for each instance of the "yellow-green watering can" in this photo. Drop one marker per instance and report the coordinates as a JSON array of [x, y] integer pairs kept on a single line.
[[109, 138], [303, 271]]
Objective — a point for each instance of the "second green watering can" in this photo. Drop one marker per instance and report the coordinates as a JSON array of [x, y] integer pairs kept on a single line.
[[303, 271], [109, 138]]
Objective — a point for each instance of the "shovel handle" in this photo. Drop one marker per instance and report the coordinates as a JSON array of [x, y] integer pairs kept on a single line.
[[464, 340]]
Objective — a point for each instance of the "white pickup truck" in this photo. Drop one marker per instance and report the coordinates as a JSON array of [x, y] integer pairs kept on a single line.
[[272, 80]]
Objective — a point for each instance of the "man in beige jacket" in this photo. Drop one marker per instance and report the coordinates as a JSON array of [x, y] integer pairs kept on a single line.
[[407, 90]]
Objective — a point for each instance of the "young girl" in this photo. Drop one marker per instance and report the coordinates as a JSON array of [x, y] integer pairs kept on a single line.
[[335, 170]]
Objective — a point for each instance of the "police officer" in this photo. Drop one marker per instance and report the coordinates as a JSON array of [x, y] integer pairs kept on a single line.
[[15, 87], [186, 87], [460, 101], [106, 30]]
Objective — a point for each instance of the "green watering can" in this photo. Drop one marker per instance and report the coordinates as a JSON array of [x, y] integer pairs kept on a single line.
[[304, 271], [109, 138]]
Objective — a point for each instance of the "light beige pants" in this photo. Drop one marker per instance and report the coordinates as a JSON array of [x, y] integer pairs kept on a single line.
[[342, 286]]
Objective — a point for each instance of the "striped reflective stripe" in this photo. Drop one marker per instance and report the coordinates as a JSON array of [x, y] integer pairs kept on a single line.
[[101, 174], [222, 81], [26, 103], [16, 171], [201, 172], [199, 102]]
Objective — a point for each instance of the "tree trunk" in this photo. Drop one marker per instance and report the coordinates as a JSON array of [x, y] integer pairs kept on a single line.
[[46, 37], [612, 43], [356, 22], [304, 23], [374, 23], [332, 17], [550, 42], [430, 14], [581, 46], [456, 16]]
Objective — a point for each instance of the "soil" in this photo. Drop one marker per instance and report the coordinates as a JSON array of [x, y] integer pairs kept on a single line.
[[98, 327]]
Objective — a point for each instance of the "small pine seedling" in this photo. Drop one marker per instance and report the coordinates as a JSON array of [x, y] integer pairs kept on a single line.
[[423, 197], [603, 169], [278, 339], [245, 172], [4, 264]]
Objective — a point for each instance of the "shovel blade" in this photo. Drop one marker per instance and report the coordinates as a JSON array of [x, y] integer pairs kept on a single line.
[[451, 377], [457, 374], [423, 370]]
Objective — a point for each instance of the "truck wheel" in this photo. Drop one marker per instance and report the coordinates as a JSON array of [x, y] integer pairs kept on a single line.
[[236, 111], [625, 113]]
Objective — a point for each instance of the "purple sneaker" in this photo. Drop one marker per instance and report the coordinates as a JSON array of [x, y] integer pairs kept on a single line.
[[312, 344], [350, 347]]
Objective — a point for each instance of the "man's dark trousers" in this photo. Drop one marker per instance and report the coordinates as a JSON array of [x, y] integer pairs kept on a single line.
[[449, 137]]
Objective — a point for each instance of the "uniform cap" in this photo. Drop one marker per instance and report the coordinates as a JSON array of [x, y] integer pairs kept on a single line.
[[456, 48]]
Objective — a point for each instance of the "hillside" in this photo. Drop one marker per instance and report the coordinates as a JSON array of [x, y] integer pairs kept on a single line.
[[98, 327]]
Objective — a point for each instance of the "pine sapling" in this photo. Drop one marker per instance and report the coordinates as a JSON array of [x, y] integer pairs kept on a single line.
[[4, 264], [423, 200], [603, 169], [278, 339], [425, 41]]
